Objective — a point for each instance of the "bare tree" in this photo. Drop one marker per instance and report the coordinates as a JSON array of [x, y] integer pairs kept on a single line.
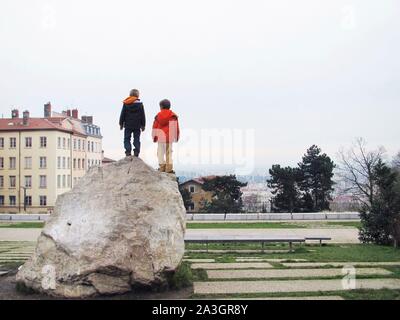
[[356, 170]]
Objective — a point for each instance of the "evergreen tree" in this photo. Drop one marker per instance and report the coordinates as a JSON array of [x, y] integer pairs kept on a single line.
[[227, 197], [284, 185], [381, 219], [316, 182]]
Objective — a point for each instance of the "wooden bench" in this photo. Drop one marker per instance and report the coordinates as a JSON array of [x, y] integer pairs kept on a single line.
[[245, 239]]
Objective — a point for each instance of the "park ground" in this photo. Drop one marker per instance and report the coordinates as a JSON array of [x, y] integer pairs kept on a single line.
[[243, 271]]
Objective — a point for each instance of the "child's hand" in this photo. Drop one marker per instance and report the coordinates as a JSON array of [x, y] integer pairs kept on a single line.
[[143, 128], [121, 127]]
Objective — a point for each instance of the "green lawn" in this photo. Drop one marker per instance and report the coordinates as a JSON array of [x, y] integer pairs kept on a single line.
[[272, 225], [326, 253], [22, 225]]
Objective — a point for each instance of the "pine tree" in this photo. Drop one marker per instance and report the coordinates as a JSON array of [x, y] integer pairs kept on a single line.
[[381, 219], [284, 185], [316, 181]]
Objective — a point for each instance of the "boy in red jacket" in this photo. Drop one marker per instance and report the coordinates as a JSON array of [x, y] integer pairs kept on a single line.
[[165, 132]]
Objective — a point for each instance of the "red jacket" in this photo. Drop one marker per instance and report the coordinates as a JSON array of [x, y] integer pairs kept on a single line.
[[166, 127]]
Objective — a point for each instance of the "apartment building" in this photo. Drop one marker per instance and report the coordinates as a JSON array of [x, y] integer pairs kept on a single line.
[[41, 158]]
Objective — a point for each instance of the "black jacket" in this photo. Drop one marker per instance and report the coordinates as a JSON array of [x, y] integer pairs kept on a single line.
[[133, 116]]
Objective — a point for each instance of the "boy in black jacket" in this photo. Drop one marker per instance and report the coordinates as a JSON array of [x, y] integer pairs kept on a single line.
[[133, 119]]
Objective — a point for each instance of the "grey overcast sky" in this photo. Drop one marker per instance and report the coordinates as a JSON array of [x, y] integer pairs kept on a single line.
[[298, 72]]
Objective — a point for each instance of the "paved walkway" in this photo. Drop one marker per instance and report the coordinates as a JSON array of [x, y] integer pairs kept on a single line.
[[345, 235], [338, 264], [235, 287], [290, 273], [339, 235], [209, 266], [17, 234]]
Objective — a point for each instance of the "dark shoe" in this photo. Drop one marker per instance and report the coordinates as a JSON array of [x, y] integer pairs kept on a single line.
[[128, 154], [136, 155]]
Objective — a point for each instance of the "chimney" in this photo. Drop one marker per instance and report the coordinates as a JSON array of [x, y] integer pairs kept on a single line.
[[89, 119], [68, 113], [47, 110], [75, 113], [15, 114], [26, 118], [84, 119]]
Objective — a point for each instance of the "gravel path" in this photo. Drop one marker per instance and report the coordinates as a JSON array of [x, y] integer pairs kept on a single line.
[[289, 273], [231, 287]]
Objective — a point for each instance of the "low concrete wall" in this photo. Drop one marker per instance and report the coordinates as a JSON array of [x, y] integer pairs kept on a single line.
[[24, 217], [272, 216], [222, 216]]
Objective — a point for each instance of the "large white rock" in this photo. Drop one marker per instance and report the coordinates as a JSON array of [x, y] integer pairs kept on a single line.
[[122, 225]]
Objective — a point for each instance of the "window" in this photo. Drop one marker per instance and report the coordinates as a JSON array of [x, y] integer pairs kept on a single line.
[[64, 143], [59, 182], [64, 184], [43, 142], [79, 163], [43, 162], [83, 164], [64, 163], [1, 163], [13, 163], [43, 182], [28, 200], [88, 162], [83, 145], [92, 146], [43, 201], [13, 143], [28, 181], [1, 200], [69, 181], [13, 200], [13, 181], [74, 144], [59, 143], [88, 146], [28, 142], [79, 144], [74, 163], [69, 163], [192, 189], [1, 182], [58, 162], [1, 143], [69, 143], [28, 162]]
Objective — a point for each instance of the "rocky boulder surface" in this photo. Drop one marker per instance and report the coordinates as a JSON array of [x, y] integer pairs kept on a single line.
[[121, 226]]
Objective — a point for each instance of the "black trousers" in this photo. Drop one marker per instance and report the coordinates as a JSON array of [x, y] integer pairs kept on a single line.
[[136, 140]]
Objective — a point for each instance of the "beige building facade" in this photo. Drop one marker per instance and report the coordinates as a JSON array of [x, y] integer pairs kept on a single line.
[[41, 158], [198, 194]]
